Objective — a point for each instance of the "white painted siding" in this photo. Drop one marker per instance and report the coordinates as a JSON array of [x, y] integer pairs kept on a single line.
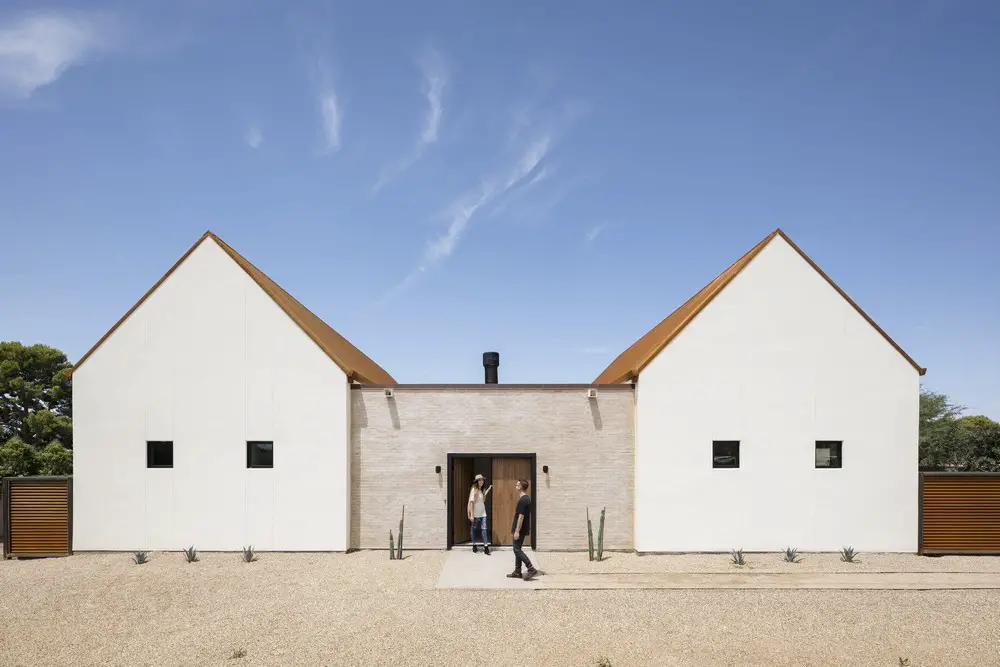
[[209, 361], [777, 361]]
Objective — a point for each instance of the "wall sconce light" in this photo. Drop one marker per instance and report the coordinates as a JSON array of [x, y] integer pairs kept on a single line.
[[437, 469], [545, 469]]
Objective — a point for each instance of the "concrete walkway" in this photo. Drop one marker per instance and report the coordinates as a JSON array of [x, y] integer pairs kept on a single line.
[[464, 569]]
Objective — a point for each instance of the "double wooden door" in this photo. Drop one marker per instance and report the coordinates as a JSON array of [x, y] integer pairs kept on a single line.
[[502, 472]]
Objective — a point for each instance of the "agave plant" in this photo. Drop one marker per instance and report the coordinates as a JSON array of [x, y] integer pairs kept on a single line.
[[191, 554], [140, 557], [849, 555], [737, 557], [249, 555], [791, 555]]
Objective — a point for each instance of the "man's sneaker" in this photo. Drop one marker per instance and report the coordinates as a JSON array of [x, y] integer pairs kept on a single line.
[[475, 549], [530, 574], [516, 574], [486, 548]]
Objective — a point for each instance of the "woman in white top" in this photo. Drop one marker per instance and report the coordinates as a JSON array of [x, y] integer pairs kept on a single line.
[[477, 512]]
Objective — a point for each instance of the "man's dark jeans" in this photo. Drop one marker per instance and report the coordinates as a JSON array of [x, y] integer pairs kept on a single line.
[[519, 556]]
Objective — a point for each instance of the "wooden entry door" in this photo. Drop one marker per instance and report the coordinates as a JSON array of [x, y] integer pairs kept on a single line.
[[506, 471]]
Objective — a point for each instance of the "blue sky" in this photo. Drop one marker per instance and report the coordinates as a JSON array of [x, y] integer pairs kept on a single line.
[[441, 180]]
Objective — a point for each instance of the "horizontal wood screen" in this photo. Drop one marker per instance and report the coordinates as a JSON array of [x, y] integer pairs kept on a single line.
[[960, 513], [38, 517]]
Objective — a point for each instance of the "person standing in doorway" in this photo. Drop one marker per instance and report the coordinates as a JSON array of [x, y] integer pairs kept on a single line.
[[477, 513], [520, 529]]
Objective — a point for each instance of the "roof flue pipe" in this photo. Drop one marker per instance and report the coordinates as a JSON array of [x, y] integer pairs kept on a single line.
[[491, 361]]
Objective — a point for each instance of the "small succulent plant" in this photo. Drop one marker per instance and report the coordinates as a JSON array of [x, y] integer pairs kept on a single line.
[[249, 555], [140, 557], [238, 653], [791, 555], [737, 558], [191, 554], [849, 555]]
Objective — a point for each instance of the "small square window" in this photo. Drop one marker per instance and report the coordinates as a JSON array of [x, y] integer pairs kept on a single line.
[[159, 454], [828, 454], [725, 453], [260, 454]]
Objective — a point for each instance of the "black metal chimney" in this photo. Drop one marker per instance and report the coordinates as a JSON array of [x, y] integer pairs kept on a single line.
[[491, 361]]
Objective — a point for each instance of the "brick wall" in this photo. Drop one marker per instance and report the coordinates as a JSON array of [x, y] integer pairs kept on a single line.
[[588, 445]]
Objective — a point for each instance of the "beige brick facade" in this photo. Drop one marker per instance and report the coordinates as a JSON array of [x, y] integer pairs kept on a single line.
[[396, 443]]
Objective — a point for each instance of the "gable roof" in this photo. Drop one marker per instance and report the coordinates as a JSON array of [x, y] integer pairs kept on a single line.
[[630, 362], [350, 359]]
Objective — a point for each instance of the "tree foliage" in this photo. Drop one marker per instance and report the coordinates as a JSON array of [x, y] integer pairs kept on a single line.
[[17, 458], [950, 441], [54, 459], [35, 395]]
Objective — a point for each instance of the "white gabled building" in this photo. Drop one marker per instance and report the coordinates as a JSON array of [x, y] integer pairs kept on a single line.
[[767, 411], [180, 411], [771, 411]]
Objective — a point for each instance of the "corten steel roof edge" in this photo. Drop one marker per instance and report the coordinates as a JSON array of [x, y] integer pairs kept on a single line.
[[355, 363], [630, 362]]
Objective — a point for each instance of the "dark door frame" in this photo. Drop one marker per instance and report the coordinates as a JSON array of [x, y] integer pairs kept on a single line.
[[451, 494]]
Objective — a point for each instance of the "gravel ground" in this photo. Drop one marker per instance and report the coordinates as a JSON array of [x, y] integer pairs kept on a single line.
[[362, 609]]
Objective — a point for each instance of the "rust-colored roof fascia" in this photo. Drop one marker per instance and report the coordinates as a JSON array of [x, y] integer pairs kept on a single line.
[[639, 354], [139, 302], [354, 362], [351, 360], [630, 362], [921, 370]]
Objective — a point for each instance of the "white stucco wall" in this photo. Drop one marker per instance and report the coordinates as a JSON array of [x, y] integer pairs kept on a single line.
[[777, 361], [209, 361]]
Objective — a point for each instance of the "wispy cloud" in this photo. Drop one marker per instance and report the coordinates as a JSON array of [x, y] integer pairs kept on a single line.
[[329, 108], [461, 213], [434, 74], [37, 48], [593, 233], [254, 136]]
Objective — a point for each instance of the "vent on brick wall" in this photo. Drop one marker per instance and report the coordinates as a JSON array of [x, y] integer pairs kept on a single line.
[[491, 361]]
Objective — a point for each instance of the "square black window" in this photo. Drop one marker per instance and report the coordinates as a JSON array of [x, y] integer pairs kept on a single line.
[[828, 454], [159, 454], [260, 454], [725, 453]]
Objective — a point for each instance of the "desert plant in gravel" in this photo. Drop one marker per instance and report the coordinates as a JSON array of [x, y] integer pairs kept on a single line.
[[191, 554], [849, 555], [604, 662], [791, 555], [392, 547], [140, 557], [736, 557], [600, 537], [238, 653], [249, 555], [399, 540], [904, 662], [590, 537]]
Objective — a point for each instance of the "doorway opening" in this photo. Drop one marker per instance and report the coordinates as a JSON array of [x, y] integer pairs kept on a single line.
[[501, 471]]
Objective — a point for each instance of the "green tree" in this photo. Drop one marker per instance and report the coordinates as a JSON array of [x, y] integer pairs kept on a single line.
[[17, 459], [54, 459], [980, 443], [939, 437], [35, 394]]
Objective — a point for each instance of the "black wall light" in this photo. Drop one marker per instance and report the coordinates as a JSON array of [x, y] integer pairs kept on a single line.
[[437, 468], [545, 469]]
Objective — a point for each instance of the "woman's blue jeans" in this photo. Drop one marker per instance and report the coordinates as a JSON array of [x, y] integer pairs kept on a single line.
[[479, 523]]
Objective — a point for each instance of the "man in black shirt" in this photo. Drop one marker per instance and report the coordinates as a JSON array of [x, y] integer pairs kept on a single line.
[[520, 529]]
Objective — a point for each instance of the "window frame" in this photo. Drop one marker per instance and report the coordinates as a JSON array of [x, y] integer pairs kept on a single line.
[[717, 443], [834, 446], [150, 446], [250, 459]]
